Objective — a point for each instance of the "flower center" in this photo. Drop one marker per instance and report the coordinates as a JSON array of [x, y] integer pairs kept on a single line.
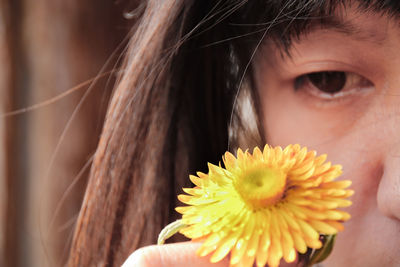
[[261, 186]]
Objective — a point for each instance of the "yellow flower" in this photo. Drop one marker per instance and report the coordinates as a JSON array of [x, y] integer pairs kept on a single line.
[[264, 206]]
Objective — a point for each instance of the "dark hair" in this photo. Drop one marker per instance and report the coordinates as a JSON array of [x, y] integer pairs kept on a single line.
[[171, 111]]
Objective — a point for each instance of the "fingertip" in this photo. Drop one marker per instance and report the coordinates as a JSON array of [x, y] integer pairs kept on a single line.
[[137, 258], [177, 254]]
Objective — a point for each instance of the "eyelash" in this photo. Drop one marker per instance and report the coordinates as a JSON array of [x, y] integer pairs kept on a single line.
[[331, 85]]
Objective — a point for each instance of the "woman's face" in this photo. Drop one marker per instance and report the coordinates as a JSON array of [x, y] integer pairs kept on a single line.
[[350, 109]]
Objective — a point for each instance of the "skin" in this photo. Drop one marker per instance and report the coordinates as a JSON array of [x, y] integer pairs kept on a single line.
[[359, 128]]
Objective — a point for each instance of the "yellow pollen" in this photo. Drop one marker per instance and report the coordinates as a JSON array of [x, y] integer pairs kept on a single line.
[[261, 186]]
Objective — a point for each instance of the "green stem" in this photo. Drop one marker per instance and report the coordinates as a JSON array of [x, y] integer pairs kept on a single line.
[[321, 254], [169, 231]]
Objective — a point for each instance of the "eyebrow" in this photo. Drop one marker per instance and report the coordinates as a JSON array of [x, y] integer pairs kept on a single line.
[[347, 27], [336, 23]]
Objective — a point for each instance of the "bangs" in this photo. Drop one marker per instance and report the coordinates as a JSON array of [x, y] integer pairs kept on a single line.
[[285, 20]]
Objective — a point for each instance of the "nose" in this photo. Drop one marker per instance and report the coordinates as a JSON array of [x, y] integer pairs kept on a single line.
[[389, 188]]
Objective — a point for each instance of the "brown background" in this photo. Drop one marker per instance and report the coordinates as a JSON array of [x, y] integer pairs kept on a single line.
[[47, 47]]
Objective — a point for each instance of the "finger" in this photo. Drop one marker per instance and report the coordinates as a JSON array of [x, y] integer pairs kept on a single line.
[[177, 255]]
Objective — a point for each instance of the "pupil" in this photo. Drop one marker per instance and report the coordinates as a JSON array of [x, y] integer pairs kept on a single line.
[[328, 81]]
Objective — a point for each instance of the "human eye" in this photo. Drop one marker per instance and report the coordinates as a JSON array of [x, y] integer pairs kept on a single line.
[[331, 85]]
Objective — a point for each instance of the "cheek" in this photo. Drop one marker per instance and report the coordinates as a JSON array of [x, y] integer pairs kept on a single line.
[[344, 134], [366, 174], [287, 120]]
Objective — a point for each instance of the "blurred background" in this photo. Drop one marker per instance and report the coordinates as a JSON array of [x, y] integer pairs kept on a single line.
[[58, 63]]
